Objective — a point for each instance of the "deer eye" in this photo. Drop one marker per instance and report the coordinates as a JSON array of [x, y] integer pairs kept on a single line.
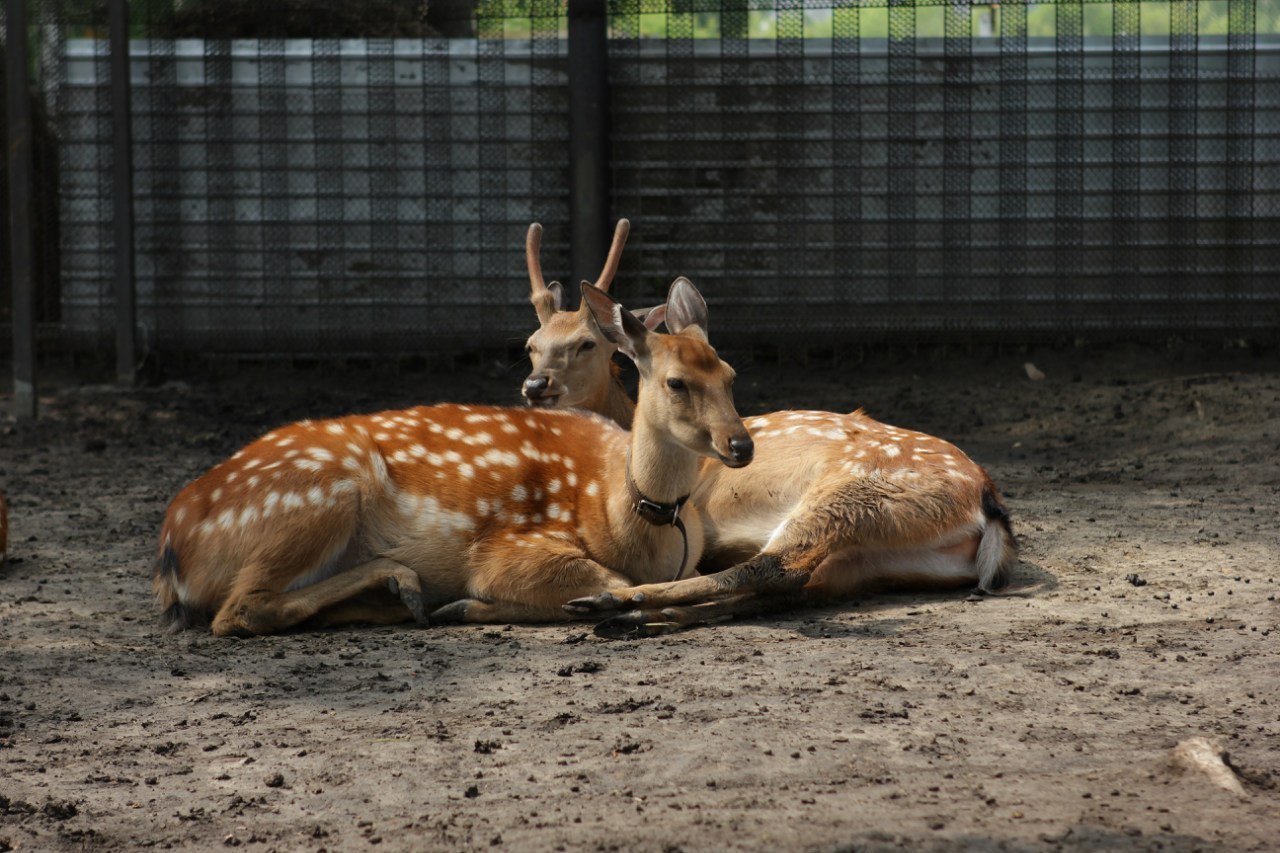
[[587, 346], [675, 384]]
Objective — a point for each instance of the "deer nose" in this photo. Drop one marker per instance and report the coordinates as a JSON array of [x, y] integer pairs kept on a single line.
[[742, 449], [535, 387]]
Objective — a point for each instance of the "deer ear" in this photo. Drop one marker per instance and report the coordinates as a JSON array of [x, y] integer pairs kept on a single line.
[[686, 309], [616, 323], [557, 294], [651, 317]]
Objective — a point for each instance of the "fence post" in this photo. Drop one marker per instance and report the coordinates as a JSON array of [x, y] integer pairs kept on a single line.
[[122, 190], [588, 137], [21, 211]]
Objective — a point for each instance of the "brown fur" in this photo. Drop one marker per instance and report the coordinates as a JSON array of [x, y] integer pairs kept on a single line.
[[488, 514], [844, 500]]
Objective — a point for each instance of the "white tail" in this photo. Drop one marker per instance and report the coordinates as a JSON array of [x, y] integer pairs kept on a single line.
[[462, 512]]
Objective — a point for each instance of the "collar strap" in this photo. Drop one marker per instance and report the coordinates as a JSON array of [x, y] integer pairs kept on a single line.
[[657, 514]]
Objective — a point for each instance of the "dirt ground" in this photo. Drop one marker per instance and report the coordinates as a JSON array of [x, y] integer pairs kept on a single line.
[[1144, 485]]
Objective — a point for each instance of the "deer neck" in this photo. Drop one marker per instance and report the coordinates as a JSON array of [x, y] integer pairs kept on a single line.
[[613, 402], [661, 469]]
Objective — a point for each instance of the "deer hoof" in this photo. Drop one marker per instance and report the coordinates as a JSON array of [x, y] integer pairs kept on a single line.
[[453, 612], [410, 598], [634, 625], [602, 603]]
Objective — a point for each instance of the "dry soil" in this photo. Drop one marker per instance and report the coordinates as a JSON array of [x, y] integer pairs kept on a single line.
[[1144, 487]]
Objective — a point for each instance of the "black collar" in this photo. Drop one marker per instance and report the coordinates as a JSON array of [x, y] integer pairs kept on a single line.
[[657, 514]]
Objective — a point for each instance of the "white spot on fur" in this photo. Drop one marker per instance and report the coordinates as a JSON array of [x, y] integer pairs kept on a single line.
[[336, 428], [291, 500], [215, 495], [502, 457], [593, 488], [307, 464], [466, 470], [519, 493], [285, 442], [553, 486], [476, 419]]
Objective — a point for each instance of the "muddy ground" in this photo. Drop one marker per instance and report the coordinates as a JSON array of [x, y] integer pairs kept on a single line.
[[1144, 483]]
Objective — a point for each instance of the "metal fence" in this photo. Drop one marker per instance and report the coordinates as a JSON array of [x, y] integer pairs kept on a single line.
[[316, 181]]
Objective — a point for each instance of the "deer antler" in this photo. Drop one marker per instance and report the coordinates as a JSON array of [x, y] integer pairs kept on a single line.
[[543, 299], [615, 255]]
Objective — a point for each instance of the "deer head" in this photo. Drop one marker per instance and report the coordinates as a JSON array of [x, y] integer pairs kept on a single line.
[[684, 385], [571, 359]]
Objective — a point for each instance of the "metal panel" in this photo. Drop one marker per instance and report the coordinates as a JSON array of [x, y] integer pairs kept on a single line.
[[825, 171]]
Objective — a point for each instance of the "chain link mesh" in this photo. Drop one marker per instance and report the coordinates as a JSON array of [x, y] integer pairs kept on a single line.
[[322, 177]]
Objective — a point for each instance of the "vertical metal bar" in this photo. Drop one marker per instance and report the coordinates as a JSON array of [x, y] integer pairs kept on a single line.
[[21, 212], [588, 137], [122, 189]]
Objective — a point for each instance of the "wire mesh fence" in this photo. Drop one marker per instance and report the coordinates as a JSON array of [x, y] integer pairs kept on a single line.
[[315, 177]]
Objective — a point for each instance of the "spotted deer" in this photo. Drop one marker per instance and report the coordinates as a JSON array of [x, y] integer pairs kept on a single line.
[[571, 358], [465, 513], [834, 506]]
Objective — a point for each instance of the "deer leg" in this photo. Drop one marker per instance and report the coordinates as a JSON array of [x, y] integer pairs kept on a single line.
[[255, 611], [532, 589], [372, 607], [770, 575], [654, 622]]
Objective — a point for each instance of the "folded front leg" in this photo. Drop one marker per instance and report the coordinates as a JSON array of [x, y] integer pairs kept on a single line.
[[654, 622], [765, 575]]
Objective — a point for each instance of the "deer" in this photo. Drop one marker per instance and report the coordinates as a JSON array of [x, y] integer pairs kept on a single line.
[[571, 357], [462, 513], [835, 505]]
